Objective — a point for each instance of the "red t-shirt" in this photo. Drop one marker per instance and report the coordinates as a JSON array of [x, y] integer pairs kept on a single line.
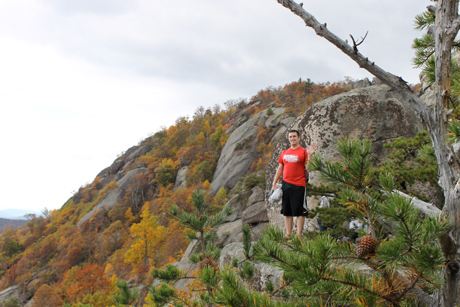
[[294, 161]]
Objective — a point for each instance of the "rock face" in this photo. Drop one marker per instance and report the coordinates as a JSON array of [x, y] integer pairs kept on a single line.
[[12, 291], [116, 171], [248, 208], [180, 178], [110, 200], [372, 112], [239, 151]]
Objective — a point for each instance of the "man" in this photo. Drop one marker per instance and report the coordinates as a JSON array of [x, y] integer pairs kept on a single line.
[[292, 165]]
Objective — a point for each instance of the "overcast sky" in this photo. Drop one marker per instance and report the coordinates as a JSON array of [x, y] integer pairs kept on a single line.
[[82, 81]]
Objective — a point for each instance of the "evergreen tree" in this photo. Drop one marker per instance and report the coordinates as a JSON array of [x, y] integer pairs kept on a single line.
[[125, 296], [411, 160], [228, 286], [201, 223]]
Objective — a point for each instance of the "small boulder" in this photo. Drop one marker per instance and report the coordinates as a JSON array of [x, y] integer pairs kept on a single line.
[[275, 119], [256, 196], [236, 202], [287, 122], [257, 213], [180, 178]]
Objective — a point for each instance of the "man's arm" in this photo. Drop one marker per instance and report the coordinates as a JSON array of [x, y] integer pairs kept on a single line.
[[279, 172]]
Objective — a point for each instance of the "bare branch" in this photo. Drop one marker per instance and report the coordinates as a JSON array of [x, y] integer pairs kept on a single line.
[[355, 44], [397, 83]]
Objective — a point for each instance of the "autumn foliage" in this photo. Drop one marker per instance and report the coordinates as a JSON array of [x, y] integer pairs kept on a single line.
[[59, 262]]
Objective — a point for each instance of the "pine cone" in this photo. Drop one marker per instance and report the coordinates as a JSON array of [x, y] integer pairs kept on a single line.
[[366, 246], [206, 261]]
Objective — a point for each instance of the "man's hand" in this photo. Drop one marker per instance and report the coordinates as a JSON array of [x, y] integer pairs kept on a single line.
[[275, 186], [311, 149]]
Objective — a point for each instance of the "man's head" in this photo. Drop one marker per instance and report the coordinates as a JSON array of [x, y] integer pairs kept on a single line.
[[294, 138]]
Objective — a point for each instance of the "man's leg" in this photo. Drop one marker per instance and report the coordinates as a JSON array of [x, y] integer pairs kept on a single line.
[[288, 222], [300, 224]]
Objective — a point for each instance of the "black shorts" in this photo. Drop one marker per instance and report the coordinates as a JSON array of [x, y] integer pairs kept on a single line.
[[294, 202]]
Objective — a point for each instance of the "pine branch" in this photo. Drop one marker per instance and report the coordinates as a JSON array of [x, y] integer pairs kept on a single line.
[[409, 248], [181, 300], [349, 283], [281, 288], [237, 292]]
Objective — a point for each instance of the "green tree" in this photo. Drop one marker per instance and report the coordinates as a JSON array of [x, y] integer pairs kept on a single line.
[[232, 284], [200, 222], [411, 160], [217, 137], [10, 247], [125, 296], [201, 225], [165, 172], [10, 302]]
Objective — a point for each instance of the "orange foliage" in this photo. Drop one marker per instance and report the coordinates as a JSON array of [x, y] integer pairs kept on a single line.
[[47, 296], [80, 282]]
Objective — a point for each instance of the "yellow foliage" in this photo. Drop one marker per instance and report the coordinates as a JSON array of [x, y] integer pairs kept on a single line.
[[129, 216], [148, 236], [259, 164], [108, 271], [207, 127], [200, 139], [98, 299], [146, 159], [171, 131], [113, 280], [221, 198], [206, 185]]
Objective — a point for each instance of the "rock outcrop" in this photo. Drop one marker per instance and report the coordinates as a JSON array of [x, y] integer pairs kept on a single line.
[[12, 291], [180, 177], [372, 112], [110, 200], [239, 152]]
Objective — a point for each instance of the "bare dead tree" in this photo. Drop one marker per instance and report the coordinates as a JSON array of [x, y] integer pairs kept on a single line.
[[445, 30]]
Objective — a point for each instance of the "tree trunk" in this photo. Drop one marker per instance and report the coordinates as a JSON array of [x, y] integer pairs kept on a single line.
[[446, 29]]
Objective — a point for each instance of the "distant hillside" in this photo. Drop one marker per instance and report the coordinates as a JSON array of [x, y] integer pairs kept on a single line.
[[17, 214], [10, 223]]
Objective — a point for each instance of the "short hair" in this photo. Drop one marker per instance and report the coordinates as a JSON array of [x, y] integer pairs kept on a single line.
[[294, 131]]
